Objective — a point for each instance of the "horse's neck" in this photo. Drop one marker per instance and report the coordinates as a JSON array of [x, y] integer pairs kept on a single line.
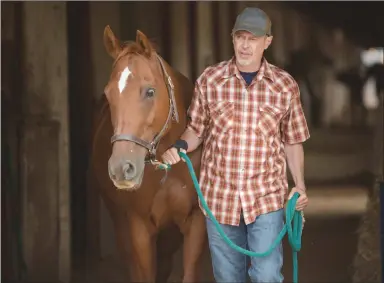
[[183, 90], [187, 89]]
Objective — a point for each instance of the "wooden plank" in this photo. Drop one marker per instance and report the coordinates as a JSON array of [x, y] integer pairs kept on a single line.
[[40, 194]]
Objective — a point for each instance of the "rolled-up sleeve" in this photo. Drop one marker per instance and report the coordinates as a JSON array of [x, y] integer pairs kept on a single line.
[[198, 113], [294, 128]]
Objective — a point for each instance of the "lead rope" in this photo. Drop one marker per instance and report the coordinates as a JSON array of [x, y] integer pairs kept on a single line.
[[159, 165], [293, 221]]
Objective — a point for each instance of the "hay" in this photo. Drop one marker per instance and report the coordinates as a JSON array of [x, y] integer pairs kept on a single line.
[[367, 262]]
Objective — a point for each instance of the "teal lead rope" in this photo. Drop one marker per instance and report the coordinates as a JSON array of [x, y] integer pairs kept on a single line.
[[293, 223]]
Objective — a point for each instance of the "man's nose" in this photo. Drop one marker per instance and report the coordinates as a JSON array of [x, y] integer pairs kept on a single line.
[[245, 43]]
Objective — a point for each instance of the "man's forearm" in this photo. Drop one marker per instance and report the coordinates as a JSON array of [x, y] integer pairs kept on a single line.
[[192, 139], [295, 159]]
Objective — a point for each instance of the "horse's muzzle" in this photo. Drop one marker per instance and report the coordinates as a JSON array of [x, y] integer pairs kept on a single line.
[[124, 174]]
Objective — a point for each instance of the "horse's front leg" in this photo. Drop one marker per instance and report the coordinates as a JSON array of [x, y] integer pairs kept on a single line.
[[195, 236], [134, 243], [142, 251]]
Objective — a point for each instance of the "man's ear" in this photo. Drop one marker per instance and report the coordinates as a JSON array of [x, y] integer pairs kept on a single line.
[[268, 42]]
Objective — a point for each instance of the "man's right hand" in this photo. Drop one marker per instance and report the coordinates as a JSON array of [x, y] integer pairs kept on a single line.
[[171, 156]]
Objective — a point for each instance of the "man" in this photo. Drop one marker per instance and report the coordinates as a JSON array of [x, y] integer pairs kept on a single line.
[[248, 115]]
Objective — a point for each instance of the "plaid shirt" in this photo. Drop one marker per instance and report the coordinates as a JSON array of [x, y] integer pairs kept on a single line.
[[244, 129]]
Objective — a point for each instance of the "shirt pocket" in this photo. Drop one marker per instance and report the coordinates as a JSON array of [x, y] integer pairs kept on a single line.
[[221, 113], [269, 120]]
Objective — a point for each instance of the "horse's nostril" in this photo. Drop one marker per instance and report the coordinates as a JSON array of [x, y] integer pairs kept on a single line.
[[129, 170]]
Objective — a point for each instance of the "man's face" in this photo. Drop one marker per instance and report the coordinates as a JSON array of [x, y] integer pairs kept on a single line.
[[248, 48]]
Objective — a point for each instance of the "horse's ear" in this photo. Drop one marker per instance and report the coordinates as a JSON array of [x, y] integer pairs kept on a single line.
[[144, 43], [111, 42]]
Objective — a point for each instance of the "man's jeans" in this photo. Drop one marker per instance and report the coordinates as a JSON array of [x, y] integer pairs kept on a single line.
[[230, 265]]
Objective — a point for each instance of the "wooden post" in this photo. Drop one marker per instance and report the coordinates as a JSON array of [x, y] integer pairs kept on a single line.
[[45, 142]]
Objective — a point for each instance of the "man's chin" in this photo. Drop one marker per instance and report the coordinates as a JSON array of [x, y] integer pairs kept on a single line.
[[243, 62]]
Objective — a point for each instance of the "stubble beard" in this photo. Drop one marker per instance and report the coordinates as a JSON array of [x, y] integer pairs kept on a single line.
[[244, 62]]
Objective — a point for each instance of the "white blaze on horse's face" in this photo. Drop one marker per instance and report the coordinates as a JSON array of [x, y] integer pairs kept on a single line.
[[123, 79]]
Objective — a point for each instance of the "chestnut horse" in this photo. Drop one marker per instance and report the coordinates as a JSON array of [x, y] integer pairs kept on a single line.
[[143, 113]]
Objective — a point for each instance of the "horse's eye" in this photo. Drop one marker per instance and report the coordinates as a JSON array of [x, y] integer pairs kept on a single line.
[[150, 92]]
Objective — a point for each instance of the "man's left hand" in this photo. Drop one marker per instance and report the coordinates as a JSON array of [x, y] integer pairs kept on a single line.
[[302, 201]]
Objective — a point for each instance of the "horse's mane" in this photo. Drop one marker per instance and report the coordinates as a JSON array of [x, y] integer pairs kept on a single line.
[[132, 47]]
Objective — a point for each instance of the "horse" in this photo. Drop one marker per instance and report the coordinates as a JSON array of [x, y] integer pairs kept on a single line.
[[143, 112]]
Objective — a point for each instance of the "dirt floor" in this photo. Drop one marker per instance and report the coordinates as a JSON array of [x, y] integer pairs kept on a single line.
[[327, 252], [328, 247]]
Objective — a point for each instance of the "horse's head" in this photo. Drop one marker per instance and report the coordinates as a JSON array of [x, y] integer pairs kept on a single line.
[[140, 95]]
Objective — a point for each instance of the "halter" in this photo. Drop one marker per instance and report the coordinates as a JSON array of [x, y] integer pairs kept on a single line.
[[172, 113]]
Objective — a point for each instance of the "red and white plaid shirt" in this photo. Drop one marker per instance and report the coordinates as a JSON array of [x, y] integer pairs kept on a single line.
[[244, 130]]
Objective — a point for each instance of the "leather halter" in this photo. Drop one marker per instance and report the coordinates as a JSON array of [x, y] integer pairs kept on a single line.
[[172, 114]]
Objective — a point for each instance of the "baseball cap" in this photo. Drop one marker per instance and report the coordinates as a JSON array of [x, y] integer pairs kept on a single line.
[[253, 20]]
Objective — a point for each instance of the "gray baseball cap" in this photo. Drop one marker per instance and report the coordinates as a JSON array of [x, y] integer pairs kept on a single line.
[[253, 20]]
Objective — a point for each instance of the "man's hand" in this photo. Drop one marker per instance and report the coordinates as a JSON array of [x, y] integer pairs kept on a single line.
[[171, 156], [188, 142], [302, 201]]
